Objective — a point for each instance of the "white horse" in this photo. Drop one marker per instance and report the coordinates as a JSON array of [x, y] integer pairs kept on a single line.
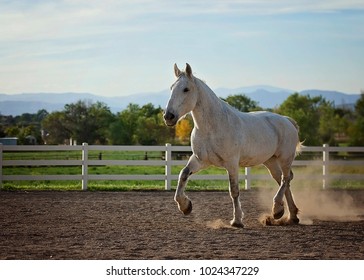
[[224, 137]]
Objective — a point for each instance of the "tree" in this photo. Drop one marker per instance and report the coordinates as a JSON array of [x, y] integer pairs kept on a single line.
[[23, 132], [86, 121], [147, 132], [123, 130], [24, 127], [314, 115], [12, 131], [242, 103], [53, 129], [101, 114], [356, 129], [328, 123], [2, 131], [359, 106], [140, 125], [40, 115]]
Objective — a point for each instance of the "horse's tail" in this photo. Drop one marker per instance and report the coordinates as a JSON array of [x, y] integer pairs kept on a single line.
[[299, 145]]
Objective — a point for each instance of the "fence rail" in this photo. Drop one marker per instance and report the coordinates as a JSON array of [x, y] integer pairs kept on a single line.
[[167, 162]]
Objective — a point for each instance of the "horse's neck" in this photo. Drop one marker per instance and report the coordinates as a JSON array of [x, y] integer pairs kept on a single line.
[[209, 108]]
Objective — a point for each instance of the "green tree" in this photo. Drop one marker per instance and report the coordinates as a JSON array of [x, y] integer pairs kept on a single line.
[[102, 115], [22, 132], [2, 131], [54, 130], [40, 115], [127, 123], [242, 102], [139, 125], [359, 106], [86, 121], [314, 115], [152, 130], [12, 131], [356, 129], [117, 133], [28, 126], [151, 127], [329, 123]]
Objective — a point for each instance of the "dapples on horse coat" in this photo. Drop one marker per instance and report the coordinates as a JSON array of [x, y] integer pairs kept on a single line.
[[224, 137]]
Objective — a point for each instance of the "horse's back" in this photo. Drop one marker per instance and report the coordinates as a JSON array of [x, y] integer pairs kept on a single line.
[[281, 124]]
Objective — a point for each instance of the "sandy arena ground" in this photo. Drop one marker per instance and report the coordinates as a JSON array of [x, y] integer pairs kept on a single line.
[[148, 225]]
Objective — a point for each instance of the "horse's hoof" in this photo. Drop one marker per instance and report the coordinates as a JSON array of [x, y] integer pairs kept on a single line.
[[267, 221], [294, 221], [188, 210], [278, 215], [236, 224]]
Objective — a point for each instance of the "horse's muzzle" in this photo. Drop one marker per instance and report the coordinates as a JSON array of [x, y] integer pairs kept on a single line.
[[170, 119]]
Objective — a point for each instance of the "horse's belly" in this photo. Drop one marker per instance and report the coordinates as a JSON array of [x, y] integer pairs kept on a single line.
[[247, 162], [255, 158]]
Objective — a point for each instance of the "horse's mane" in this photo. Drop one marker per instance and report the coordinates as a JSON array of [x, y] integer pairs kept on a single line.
[[222, 102]]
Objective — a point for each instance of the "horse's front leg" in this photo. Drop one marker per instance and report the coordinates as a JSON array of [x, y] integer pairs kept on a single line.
[[184, 203], [237, 220]]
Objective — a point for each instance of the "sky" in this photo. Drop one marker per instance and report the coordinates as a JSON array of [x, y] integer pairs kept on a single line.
[[122, 47]]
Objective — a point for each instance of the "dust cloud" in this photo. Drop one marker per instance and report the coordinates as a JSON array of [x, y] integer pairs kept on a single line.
[[217, 224], [326, 205]]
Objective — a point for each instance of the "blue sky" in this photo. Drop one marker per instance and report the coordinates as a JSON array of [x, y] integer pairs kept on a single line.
[[115, 47]]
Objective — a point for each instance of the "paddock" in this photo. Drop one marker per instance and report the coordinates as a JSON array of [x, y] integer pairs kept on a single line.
[[146, 225]]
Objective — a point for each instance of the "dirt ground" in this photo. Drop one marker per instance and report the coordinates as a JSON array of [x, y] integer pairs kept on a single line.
[[148, 225]]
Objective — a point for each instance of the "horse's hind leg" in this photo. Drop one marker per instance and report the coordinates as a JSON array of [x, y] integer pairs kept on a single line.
[[275, 170], [293, 210], [184, 203], [284, 189]]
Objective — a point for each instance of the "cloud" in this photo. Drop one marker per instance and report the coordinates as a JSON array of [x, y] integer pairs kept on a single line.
[[99, 38], [258, 7], [52, 22], [40, 20]]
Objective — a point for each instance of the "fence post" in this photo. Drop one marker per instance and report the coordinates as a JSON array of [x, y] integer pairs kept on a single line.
[[168, 170], [1, 165], [248, 178], [325, 166], [84, 166]]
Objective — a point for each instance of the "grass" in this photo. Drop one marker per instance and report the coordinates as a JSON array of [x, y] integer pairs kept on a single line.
[[159, 185], [77, 155], [305, 172]]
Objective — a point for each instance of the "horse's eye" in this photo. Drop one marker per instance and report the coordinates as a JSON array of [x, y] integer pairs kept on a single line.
[[186, 90]]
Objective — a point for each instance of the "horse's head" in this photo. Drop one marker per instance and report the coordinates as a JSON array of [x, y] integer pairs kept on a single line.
[[183, 97]]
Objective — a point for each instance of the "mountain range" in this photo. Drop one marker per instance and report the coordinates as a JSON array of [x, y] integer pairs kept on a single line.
[[266, 96]]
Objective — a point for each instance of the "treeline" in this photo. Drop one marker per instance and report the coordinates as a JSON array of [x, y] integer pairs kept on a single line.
[[319, 120]]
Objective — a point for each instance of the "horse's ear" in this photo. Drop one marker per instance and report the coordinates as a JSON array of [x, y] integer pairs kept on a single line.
[[188, 70], [177, 72]]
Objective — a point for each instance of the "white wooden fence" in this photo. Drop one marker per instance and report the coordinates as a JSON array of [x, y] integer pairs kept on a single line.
[[325, 162]]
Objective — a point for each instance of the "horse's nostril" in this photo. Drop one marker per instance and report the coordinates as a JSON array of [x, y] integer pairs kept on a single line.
[[169, 116]]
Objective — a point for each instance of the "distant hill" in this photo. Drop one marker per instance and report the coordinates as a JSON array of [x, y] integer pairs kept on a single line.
[[337, 97], [266, 96], [271, 97], [17, 104], [16, 108]]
